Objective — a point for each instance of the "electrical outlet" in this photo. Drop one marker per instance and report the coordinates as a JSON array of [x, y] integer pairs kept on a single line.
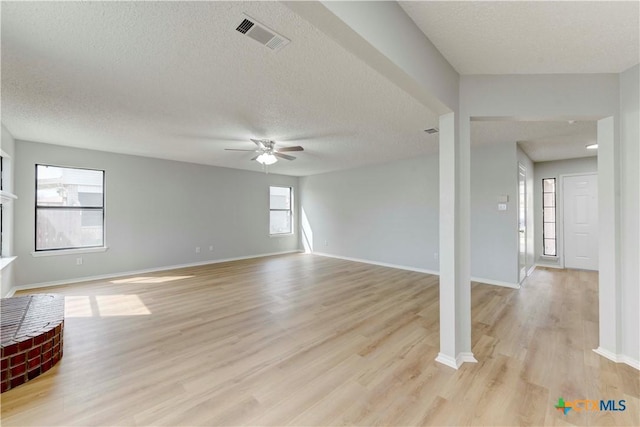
[[326, 243], [435, 255], [210, 248], [79, 261], [197, 249]]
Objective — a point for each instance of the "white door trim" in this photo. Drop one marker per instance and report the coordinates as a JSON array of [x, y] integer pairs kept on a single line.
[[522, 169]]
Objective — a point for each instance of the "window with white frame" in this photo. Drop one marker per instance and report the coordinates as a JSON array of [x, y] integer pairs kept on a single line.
[[69, 208], [6, 209], [549, 217], [280, 210]]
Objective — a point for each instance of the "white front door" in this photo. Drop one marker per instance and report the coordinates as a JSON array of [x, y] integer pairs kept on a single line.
[[580, 205]]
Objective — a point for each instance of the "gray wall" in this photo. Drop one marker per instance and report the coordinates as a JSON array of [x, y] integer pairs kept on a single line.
[[7, 144], [157, 212], [630, 212], [494, 234], [385, 213], [389, 213], [554, 170]]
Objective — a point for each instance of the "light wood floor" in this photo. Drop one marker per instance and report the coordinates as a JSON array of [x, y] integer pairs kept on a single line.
[[307, 340]]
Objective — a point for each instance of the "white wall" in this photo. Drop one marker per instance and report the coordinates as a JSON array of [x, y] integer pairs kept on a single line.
[[630, 212], [539, 96], [157, 212], [553, 170], [385, 213], [7, 144]]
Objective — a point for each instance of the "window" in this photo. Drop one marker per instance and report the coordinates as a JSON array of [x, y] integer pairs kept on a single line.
[[69, 208], [280, 211], [549, 216], [1, 205]]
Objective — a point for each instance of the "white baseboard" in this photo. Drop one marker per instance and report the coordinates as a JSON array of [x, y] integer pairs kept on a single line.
[[559, 267], [465, 357], [14, 289], [531, 270], [419, 270], [382, 264], [495, 282], [618, 358], [458, 361], [447, 361]]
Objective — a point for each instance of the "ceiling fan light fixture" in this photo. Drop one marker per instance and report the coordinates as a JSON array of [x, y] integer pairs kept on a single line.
[[266, 159]]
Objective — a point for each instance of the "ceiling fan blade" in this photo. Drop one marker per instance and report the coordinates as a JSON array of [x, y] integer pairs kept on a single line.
[[259, 143], [284, 156], [285, 149], [256, 156], [236, 149]]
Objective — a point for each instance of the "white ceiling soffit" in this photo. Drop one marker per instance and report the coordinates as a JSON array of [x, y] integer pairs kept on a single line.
[[541, 140], [175, 80], [532, 37]]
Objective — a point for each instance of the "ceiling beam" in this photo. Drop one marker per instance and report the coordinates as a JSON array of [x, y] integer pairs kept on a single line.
[[373, 31]]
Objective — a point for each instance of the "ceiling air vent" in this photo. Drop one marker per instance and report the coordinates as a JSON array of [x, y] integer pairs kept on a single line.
[[261, 34], [431, 131], [244, 26]]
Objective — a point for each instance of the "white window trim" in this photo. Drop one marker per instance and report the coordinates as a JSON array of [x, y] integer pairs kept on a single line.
[[7, 197], [293, 226], [283, 234], [56, 252], [104, 248], [5, 261]]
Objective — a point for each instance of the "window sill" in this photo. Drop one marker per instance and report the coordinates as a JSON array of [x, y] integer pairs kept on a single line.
[[68, 251], [282, 235], [551, 257], [6, 197], [5, 261]]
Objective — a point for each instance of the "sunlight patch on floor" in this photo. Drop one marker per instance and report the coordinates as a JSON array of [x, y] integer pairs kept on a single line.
[[104, 306]]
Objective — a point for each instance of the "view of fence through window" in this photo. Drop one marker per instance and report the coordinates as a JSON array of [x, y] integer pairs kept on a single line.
[[69, 208], [549, 216], [280, 217]]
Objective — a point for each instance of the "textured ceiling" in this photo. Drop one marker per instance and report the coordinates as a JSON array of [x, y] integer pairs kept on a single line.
[[542, 141], [175, 80], [532, 37]]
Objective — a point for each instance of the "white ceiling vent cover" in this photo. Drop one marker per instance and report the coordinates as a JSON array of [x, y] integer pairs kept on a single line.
[[265, 36]]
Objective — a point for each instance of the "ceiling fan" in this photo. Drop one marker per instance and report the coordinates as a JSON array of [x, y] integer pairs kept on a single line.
[[268, 154]]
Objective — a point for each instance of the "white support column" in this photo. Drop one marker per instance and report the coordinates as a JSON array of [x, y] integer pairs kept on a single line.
[[455, 286], [608, 241]]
